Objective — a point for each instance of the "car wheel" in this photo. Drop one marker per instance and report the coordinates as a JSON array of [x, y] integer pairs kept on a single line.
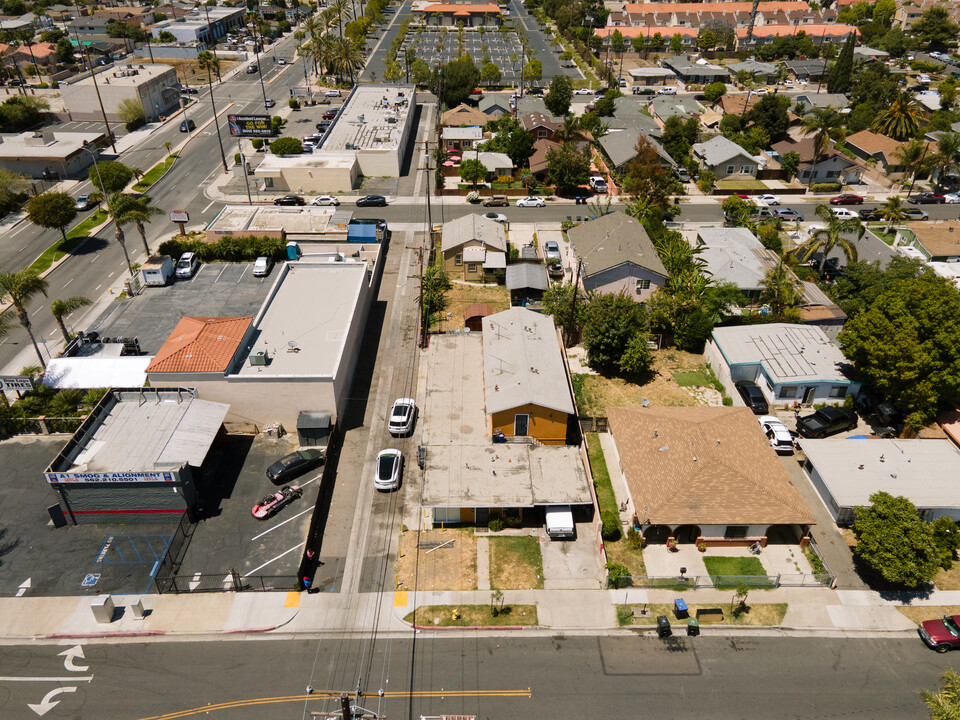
[[942, 648]]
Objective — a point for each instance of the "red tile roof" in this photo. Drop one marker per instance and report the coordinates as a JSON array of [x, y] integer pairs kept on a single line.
[[201, 344]]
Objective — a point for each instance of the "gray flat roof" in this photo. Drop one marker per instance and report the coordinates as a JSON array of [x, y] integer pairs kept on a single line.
[[788, 353], [248, 219], [139, 74], [373, 118], [148, 430], [927, 472], [306, 319], [522, 362], [64, 144]]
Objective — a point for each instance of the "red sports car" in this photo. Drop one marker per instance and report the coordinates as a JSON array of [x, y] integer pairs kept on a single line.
[[846, 199], [275, 502]]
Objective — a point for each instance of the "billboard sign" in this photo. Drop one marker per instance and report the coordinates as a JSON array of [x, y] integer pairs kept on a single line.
[[108, 477], [250, 125], [16, 382], [179, 216]]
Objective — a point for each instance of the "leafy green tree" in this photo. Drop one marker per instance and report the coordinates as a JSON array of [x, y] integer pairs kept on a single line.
[[946, 538], [862, 282], [115, 175], [647, 178], [738, 211], [21, 112], [568, 314], [829, 237], [420, 72], [907, 345], [612, 322], [947, 155], [559, 96], [52, 210], [21, 287], [533, 72], [839, 79], [894, 543], [64, 51], [473, 171], [714, 91], [165, 36], [637, 359], [62, 308], [945, 703], [901, 119], [790, 162], [674, 139], [568, 166], [458, 79], [436, 285], [948, 93], [893, 212], [935, 30], [770, 113], [883, 12], [706, 40], [618, 46], [676, 43], [490, 74], [286, 146], [132, 113]]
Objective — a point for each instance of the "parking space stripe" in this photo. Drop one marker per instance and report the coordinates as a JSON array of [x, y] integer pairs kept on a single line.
[[257, 537], [272, 560]]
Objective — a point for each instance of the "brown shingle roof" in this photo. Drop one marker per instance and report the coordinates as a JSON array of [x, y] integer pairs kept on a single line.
[[703, 465], [201, 344], [939, 238], [464, 116]]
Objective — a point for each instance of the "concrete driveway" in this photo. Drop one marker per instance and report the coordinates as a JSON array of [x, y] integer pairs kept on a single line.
[[570, 564]]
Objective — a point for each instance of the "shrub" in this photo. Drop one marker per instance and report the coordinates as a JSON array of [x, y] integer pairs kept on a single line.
[[257, 143], [236, 158], [504, 179], [727, 401], [495, 525], [634, 538], [617, 575], [826, 187], [610, 530], [473, 196], [293, 103], [286, 146], [227, 249]]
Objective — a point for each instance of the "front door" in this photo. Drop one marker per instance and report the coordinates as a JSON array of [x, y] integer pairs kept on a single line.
[[521, 424], [808, 395]]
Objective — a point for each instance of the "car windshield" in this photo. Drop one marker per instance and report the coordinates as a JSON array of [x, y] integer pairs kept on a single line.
[[400, 412], [183, 264], [951, 626], [385, 467]]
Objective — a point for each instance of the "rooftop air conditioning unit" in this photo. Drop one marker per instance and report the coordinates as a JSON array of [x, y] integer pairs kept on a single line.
[[259, 357]]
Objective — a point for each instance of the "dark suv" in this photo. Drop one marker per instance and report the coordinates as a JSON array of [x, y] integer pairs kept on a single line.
[[827, 421], [753, 396]]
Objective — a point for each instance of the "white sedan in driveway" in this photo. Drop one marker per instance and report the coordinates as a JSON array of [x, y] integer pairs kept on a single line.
[[531, 202], [780, 438], [389, 467], [769, 199], [325, 200]]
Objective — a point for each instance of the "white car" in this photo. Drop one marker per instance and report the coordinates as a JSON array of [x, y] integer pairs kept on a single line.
[[402, 416], [780, 438], [281, 61], [761, 91], [187, 265], [496, 217], [530, 202], [952, 198], [551, 250], [845, 213], [262, 266], [769, 199], [389, 467], [332, 93], [582, 91], [924, 79], [325, 200]]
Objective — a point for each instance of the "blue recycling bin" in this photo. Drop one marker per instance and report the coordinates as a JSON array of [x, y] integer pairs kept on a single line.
[[680, 608]]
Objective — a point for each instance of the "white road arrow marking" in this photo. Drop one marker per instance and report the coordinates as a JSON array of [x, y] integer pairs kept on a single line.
[[195, 582], [24, 586], [48, 702], [68, 657]]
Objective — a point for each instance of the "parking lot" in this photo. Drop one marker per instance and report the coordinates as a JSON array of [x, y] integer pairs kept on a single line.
[[217, 289], [433, 45]]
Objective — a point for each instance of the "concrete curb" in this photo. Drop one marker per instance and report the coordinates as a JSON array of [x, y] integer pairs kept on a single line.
[[421, 628], [90, 636]]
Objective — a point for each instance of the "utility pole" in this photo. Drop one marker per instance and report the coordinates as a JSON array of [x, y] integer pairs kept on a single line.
[[93, 76], [423, 319], [573, 301]]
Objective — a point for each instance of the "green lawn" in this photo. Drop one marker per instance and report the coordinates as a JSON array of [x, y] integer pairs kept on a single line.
[[741, 184], [515, 563], [150, 177], [61, 247], [701, 377], [735, 567], [606, 498]]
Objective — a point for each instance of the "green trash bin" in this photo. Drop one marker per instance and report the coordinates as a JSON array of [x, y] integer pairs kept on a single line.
[[693, 627]]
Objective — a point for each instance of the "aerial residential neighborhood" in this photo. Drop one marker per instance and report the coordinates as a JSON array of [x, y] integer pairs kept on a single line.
[[479, 360]]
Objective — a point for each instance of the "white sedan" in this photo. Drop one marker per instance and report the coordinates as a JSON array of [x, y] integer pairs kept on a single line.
[[402, 416], [325, 200], [389, 467], [769, 199], [332, 93], [845, 213], [496, 217], [780, 438], [582, 91], [531, 202], [952, 198]]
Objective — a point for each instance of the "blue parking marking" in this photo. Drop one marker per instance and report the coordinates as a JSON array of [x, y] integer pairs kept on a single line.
[[133, 549]]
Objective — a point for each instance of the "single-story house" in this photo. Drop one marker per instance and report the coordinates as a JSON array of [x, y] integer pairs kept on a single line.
[[939, 241], [694, 72], [526, 387], [725, 158], [617, 256], [831, 166], [464, 116], [866, 53], [652, 76], [538, 161], [541, 126], [811, 100], [494, 106], [473, 247], [762, 72], [789, 363], [736, 104], [705, 474], [496, 163], [457, 138], [816, 308], [807, 69], [847, 472], [734, 255], [620, 146], [526, 282], [684, 107], [869, 145]]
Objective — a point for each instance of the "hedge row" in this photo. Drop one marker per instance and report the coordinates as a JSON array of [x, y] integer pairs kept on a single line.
[[227, 249], [826, 187]]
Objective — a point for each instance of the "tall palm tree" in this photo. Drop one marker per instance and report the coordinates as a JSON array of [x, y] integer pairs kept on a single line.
[[137, 211], [913, 156], [116, 206], [347, 57], [62, 308], [947, 155], [21, 287], [893, 212], [341, 8], [826, 239], [825, 124], [902, 119], [781, 291], [206, 60]]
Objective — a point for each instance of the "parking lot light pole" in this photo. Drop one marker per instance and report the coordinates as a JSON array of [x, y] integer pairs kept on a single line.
[[96, 167]]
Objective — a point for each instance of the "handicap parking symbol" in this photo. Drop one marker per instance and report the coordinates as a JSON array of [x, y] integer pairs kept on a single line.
[[90, 579]]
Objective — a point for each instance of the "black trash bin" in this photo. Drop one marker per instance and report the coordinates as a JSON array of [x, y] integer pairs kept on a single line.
[[693, 627], [663, 626]]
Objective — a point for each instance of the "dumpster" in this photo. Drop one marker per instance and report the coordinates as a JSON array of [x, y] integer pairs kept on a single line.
[[693, 627], [663, 626], [680, 608]]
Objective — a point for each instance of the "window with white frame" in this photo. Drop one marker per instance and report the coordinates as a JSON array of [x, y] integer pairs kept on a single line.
[[746, 169], [730, 169], [458, 259], [471, 267], [643, 285]]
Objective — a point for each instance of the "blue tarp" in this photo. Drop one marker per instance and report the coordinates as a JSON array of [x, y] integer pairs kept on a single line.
[[361, 233]]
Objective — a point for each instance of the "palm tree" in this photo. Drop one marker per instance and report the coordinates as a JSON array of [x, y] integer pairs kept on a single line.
[[569, 130], [341, 8], [948, 152], [826, 239], [893, 212], [825, 124], [902, 119], [781, 291], [206, 60], [138, 211], [21, 287], [166, 146], [913, 156], [347, 57], [62, 308]]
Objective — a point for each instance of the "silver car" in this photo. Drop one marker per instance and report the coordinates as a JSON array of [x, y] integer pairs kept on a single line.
[[389, 468], [402, 416]]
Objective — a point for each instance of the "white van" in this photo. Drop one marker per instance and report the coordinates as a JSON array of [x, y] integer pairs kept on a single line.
[[559, 522], [667, 90]]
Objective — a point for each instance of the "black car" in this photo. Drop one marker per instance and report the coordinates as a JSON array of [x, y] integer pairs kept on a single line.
[[187, 125], [372, 201], [290, 200], [293, 465], [753, 396], [928, 198], [871, 214], [187, 90], [827, 421]]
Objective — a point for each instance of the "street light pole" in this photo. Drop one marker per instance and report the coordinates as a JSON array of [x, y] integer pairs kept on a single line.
[[93, 76], [95, 167]]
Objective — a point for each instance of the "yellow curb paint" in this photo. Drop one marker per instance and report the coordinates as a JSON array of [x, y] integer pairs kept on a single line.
[[400, 598], [293, 600]]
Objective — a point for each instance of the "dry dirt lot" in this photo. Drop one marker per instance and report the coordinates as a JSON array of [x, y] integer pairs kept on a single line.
[[451, 567], [460, 296], [194, 75]]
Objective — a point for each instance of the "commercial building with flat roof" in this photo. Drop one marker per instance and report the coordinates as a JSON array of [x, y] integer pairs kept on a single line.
[[847, 472], [203, 26], [329, 173], [60, 154], [135, 457], [278, 221], [155, 86]]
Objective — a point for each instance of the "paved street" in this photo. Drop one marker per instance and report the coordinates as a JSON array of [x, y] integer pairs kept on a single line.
[[619, 676]]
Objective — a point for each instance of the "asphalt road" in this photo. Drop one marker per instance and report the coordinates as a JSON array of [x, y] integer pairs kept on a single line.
[[529, 677]]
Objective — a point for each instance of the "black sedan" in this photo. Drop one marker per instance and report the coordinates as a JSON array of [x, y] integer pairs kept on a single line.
[[187, 90], [928, 198], [372, 201], [870, 214], [293, 465], [290, 200], [752, 396], [827, 421]]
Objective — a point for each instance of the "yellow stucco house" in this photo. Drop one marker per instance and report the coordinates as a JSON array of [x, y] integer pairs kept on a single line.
[[473, 248]]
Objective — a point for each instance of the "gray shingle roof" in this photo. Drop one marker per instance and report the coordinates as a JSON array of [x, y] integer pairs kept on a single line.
[[613, 240], [527, 275], [735, 255], [753, 66], [620, 146], [718, 150], [473, 227]]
